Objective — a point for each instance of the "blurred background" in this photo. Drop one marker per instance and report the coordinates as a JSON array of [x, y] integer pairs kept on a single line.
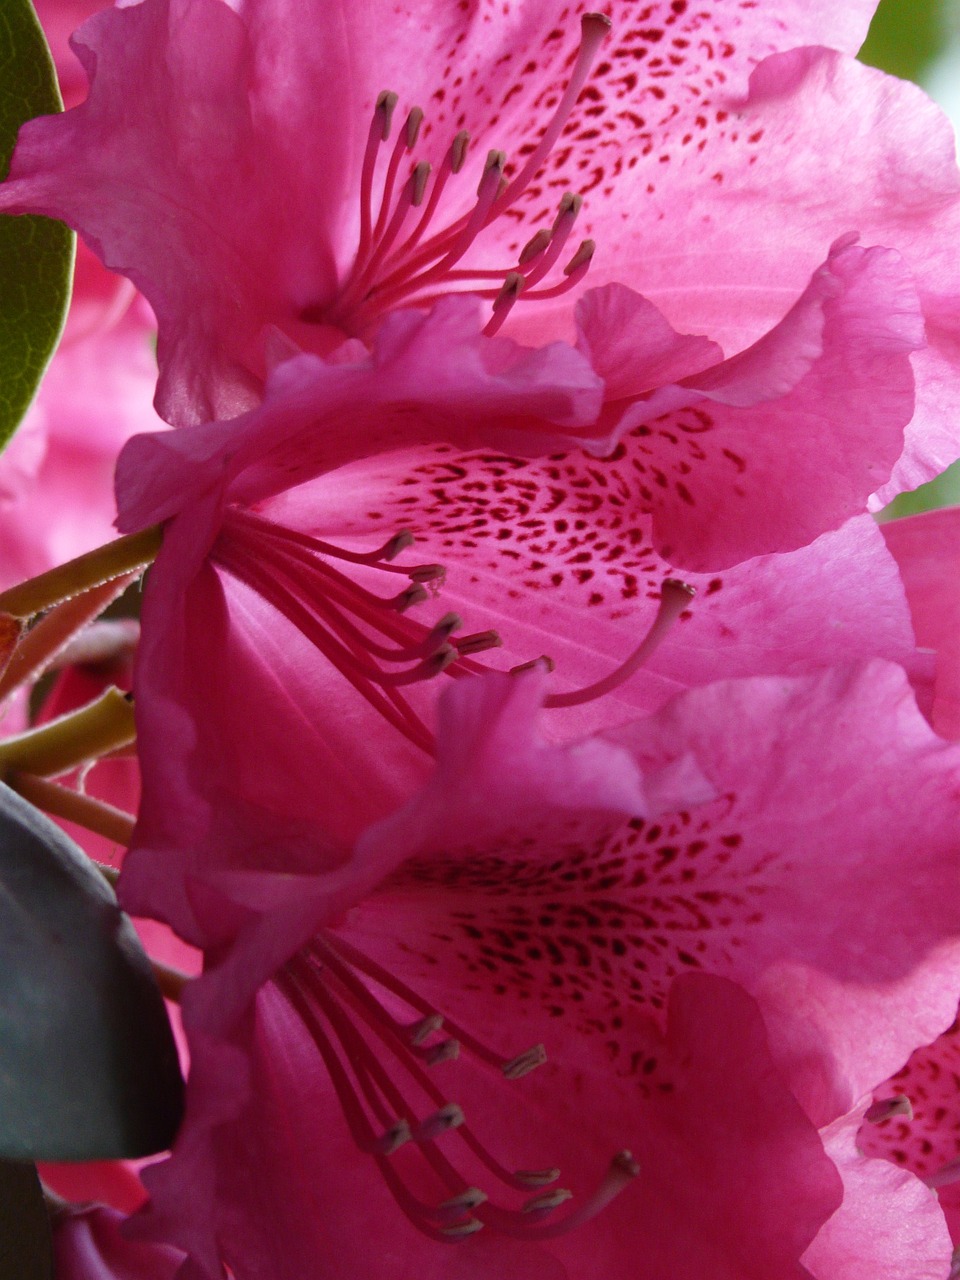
[[920, 40]]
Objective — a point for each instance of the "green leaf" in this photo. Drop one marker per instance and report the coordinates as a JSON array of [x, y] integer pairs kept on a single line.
[[36, 254], [25, 1246], [905, 36], [88, 1065]]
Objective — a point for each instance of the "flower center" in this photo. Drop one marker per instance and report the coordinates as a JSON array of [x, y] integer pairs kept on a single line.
[[378, 1040], [367, 637], [411, 246]]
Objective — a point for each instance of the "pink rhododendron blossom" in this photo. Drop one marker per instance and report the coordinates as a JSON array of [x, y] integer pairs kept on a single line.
[[915, 1121], [927, 551], [669, 149], [519, 898], [279, 576]]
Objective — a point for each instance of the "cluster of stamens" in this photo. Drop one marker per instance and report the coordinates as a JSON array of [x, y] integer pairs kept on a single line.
[[379, 1050], [405, 258], [367, 637]]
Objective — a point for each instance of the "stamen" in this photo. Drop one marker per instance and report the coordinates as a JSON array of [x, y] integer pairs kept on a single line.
[[448, 1117], [388, 268], [524, 1063], [379, 132], [534, 247], [675, 596], [575, 270], [322, 988], [505, 300], [406, 141], [570, 206], [480, 642]]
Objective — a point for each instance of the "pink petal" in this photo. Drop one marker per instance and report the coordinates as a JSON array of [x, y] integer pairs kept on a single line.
[[889, 1226], [733, 1191], [926, 550], [548, 918]]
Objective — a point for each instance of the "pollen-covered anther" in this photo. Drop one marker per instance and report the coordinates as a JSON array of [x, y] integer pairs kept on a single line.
[[534, 247], [479, 642], [400, 541], [470, 1227], [898, 1105], [544, 1204], [427, 573], [505, 300], [525, 1062], [536, 1177], [446, 1051], [442, 1121], [383, 112], [414, 594], [412, 128], [544, 663], [422, 1030], [394, 1138], [467, 1200]]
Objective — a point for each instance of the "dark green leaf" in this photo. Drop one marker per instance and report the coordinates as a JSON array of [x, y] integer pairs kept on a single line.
[[905, 36], [36, 254], [88, 1065], [25, 1250]]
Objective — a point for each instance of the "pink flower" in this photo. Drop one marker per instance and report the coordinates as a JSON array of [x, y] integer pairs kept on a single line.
[[522, 896], [675, 142], [284, 576]]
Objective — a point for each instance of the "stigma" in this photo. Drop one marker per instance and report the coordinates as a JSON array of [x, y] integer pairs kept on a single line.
[[415, 238]]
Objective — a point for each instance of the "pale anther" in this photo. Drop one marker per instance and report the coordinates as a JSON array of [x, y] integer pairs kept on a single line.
[[425, 1027], [545, 1203], [536, 1177], [449, 1117], [414, 121], [468, 1228], [386, 105], [472, 1198], [525, 1062]]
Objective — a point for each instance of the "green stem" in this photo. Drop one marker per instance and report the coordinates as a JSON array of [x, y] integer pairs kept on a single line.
[[117, 558], [71, 740]]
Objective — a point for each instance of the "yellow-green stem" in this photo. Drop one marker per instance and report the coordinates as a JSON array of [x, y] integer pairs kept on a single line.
[[124, 555], [53, 632], [71, 740]]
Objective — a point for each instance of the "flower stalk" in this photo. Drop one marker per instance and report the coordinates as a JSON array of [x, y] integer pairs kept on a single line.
[[114, 560], [71, 740]]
